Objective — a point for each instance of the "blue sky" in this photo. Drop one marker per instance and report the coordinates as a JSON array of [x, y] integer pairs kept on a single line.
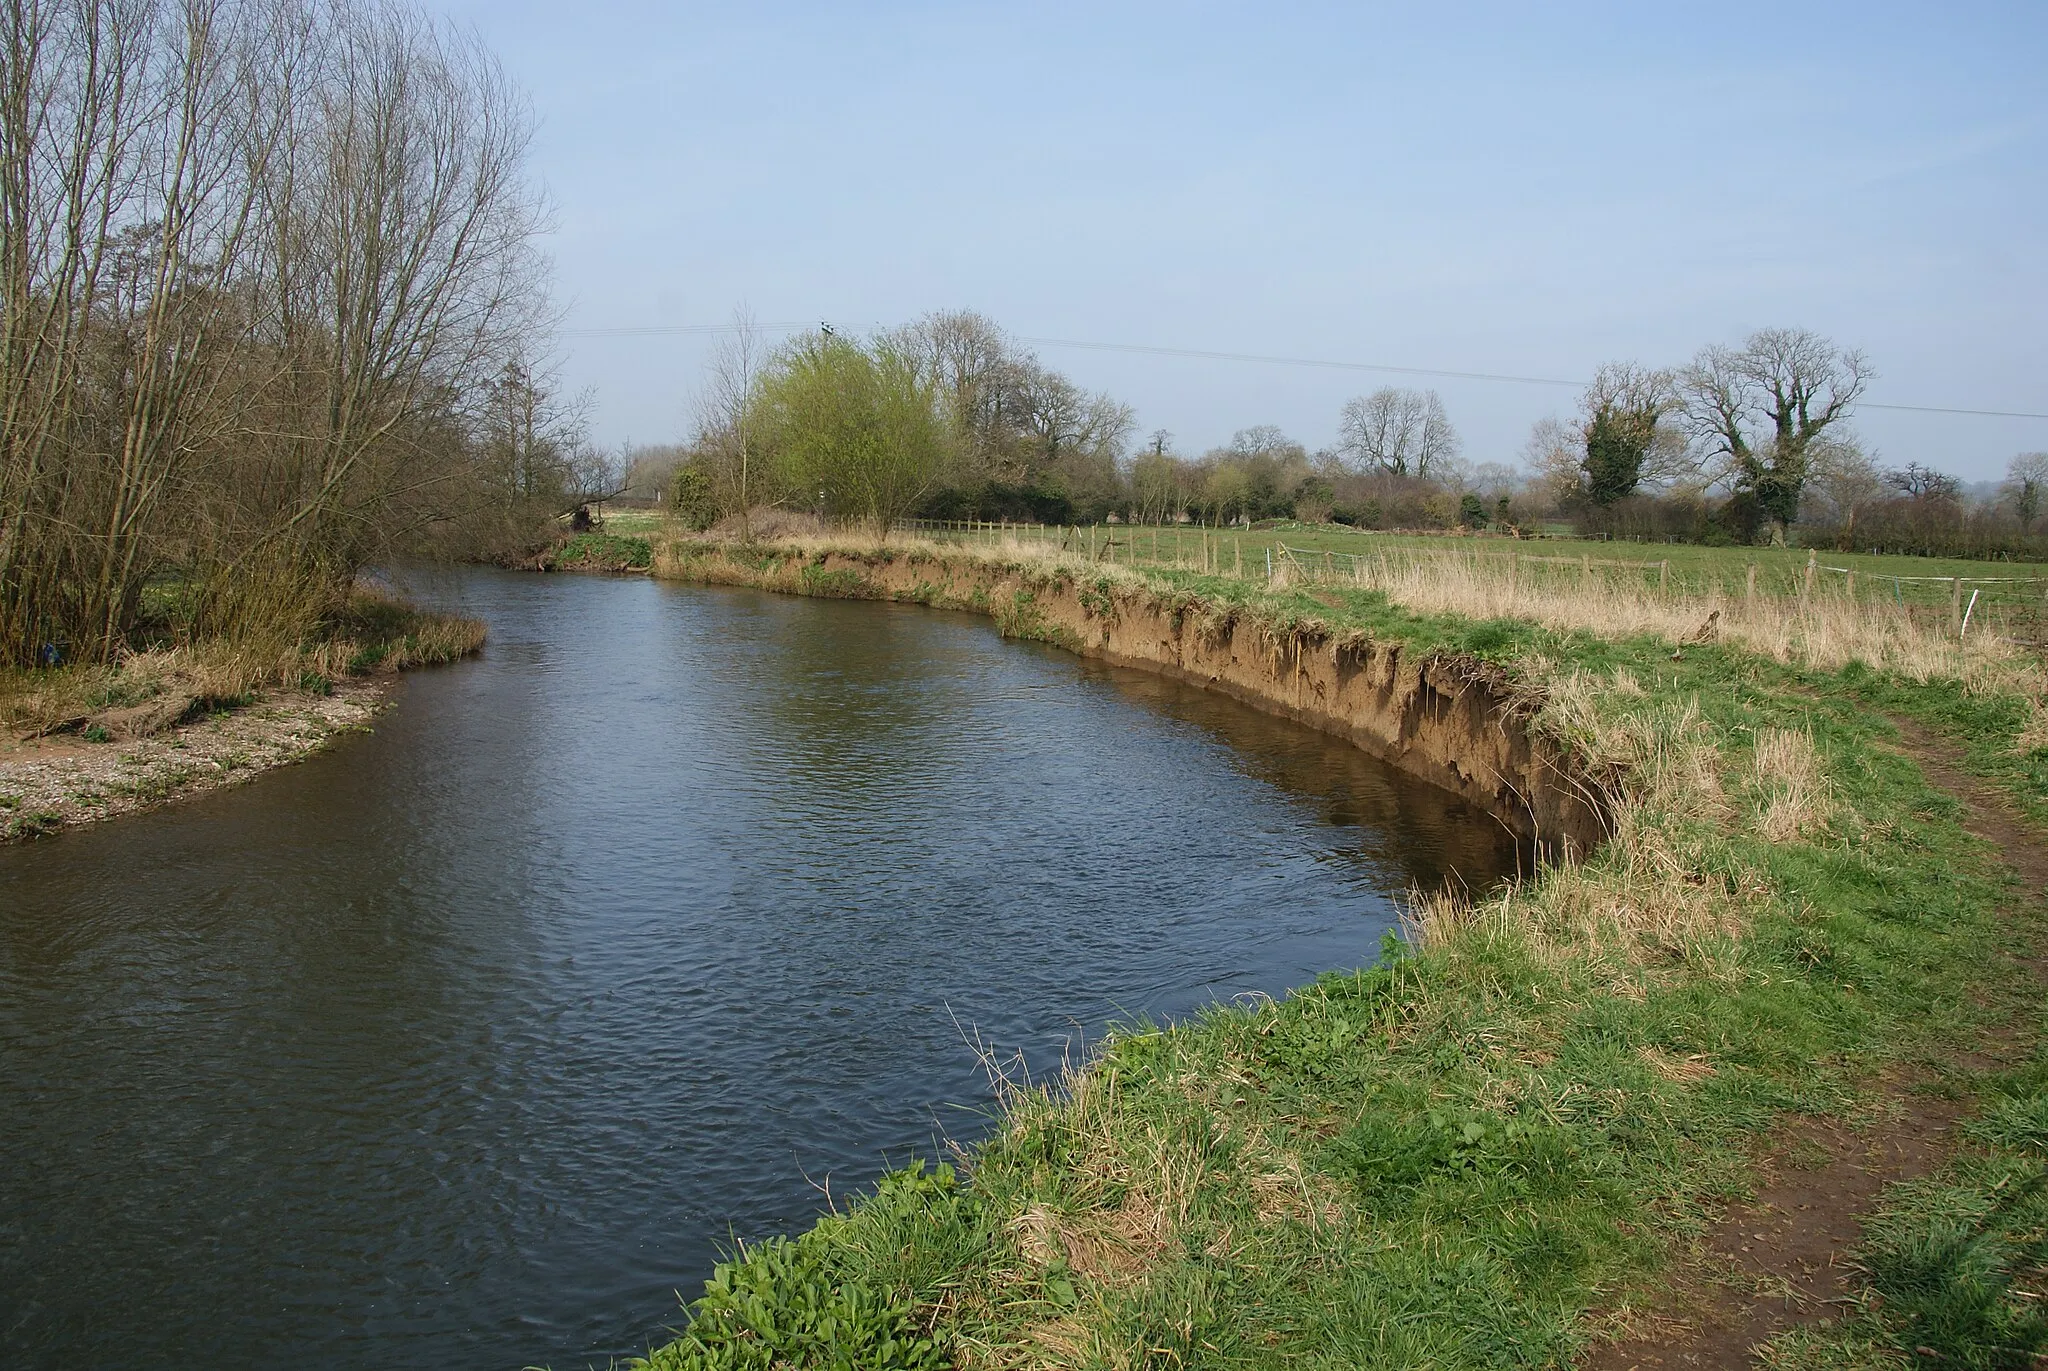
[[1475, 188]]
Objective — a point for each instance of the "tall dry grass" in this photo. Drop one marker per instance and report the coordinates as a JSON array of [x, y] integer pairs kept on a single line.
[[1822, 631], [1825, 631], [148, 690]]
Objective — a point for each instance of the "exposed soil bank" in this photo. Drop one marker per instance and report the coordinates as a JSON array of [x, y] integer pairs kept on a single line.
[[1453, 720], [62, 780]]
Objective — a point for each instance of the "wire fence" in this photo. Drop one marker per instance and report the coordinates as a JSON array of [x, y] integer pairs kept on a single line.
[[2010, 606]]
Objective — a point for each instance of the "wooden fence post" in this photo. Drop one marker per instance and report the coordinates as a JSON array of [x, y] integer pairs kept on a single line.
[[1663, 575], [1749, 586], [1955, 603], [1806, 587]]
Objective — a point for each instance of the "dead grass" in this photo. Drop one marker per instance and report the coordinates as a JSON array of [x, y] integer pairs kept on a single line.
[[1823, 632], [2033, 735], [145, 692], [1799, 801]]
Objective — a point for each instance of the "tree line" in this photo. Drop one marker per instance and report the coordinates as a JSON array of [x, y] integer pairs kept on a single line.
[[269, 297], [1741, 444], [950, 418]]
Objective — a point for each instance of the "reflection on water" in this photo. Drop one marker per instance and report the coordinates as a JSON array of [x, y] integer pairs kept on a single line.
[[473, 1039]]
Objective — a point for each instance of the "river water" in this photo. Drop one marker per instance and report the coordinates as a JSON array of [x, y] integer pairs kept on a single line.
[[472, 1040]]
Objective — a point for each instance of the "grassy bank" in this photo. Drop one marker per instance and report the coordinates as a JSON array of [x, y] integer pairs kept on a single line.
[[88, 742], [147, 691], [1495, 1146], [2010, 597]]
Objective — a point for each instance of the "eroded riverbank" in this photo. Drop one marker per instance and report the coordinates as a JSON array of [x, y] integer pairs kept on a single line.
[[1489, 1149], [1446, 717]]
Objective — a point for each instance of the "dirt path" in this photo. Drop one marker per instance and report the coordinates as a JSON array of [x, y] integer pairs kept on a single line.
[[1779, 1261]]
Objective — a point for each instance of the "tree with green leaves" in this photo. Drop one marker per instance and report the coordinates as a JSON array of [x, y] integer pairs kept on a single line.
[[855, 423]]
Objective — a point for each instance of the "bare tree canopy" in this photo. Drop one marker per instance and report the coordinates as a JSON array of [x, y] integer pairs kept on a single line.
[[1844, 481], [1756, 412], [728, 444], [1399, 432], [267, 285]]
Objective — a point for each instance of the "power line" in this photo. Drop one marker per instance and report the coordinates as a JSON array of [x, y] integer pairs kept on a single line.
[[1302, 362], [1268, 359]]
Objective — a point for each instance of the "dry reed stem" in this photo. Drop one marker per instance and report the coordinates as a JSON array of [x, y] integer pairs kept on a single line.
[[1787, 769]]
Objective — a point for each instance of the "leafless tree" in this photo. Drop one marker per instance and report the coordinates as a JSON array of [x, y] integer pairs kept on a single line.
[[1399, 432], [1845, 482], [726, 419], [1554, 454], [2026, 485], [1756, 412], [260, 262]]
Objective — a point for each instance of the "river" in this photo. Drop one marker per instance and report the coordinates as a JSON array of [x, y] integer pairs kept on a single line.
[[473, 1039]]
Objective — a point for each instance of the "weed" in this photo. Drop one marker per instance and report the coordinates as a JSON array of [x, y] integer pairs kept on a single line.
[[600, 552]]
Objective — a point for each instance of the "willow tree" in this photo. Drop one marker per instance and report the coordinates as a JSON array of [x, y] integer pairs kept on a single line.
[[854, 424]]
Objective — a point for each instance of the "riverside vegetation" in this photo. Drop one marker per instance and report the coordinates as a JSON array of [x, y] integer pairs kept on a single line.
[[1507, 1141], [102, 739], [269, 315]]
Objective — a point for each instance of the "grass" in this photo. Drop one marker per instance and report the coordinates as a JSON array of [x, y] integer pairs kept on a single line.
[[600, 552], [1485, 1150], [1957, 1263], [2014, 590], [150, 690]]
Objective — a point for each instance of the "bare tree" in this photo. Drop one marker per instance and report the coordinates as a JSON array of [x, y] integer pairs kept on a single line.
[[1757, 412], [1399, 432], [726, 423], [1843, 478], [1919, 482], [1554, 456], [259, 262]]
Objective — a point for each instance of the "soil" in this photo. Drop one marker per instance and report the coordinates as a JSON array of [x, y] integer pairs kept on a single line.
[[60, 781], [1781, 1260]]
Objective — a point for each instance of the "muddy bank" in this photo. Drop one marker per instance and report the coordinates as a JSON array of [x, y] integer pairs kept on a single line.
[[1452, 720], [63, 780]]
